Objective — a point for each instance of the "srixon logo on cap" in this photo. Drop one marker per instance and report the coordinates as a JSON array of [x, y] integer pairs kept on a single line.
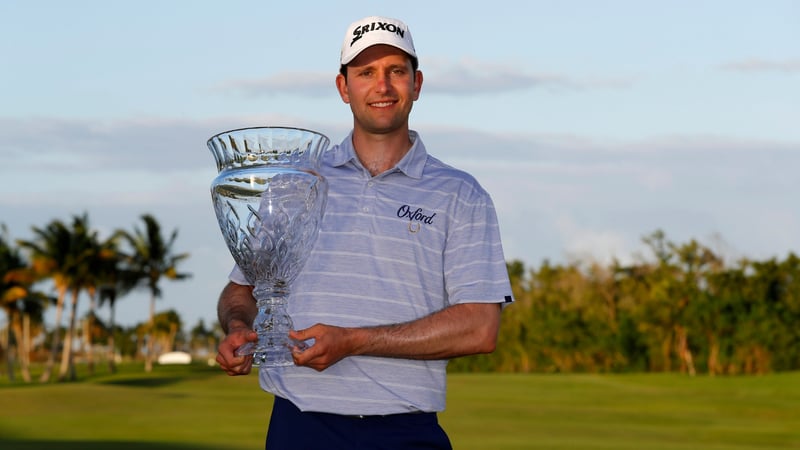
[[359, 32]]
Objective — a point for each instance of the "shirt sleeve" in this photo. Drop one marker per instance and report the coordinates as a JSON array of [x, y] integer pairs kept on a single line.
[[474, 264], [237, 276]]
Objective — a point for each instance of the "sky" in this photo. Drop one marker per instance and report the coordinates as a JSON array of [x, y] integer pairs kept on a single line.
[[591, 123]]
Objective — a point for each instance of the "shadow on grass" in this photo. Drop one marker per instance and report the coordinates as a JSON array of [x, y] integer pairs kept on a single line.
[[144, 382], [161, 376], [11, 444]]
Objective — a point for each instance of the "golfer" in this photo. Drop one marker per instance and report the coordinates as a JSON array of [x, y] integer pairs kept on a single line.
[[408, 272]]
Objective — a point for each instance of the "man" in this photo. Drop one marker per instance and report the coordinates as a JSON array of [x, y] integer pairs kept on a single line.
[[408, 271]]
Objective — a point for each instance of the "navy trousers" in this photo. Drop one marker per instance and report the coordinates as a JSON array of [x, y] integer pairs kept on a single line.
[[292, 429]]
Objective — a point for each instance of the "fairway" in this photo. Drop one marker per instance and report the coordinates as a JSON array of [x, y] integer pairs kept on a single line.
[[642, 411], [200, 408]]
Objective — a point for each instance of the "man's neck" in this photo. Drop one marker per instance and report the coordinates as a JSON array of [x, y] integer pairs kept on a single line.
[[381, 152]]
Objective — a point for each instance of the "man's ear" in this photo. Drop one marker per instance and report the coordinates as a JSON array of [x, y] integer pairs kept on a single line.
[[417, 84], [341, 86]]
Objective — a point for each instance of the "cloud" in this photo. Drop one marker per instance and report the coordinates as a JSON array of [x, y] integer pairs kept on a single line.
[[131, 154], [473, 77], [586, 244], [763, 65], [311, 84], [572, 153], [134, 157], [465, 77], [572, 196], [82, 145], [85, 145], [167, 145]]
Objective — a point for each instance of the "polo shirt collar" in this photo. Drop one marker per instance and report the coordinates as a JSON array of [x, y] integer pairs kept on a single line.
[[412, 164]]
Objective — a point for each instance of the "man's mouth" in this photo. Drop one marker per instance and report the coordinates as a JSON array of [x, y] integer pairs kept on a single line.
[[382, 104]]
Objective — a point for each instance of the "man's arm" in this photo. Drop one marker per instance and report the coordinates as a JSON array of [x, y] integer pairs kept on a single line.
[[236, 311], [458, 330], [236, 307]]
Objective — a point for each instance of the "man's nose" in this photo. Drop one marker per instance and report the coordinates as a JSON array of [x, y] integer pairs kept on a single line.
[[383, 84]]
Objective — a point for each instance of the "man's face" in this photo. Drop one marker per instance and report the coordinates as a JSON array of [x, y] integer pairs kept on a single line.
[[381, 88]]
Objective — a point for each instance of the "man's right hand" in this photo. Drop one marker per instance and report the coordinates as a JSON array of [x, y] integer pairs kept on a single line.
[[226, 356]]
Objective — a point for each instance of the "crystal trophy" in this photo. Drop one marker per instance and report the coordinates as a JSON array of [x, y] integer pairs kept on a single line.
[[269, 198]]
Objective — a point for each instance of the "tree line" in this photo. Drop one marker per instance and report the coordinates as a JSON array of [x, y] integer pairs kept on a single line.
[[72, 259], [682, 310]]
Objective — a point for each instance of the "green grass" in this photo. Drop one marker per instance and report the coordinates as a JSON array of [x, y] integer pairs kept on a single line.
[[642, 411], [196, 407]]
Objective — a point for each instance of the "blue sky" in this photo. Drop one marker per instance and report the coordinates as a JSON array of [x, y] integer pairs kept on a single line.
[[591, 123]]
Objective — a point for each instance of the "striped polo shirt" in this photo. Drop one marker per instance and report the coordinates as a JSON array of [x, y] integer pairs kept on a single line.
[[392, 248]]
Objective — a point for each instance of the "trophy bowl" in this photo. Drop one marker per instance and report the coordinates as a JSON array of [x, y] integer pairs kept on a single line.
[[269, 199]]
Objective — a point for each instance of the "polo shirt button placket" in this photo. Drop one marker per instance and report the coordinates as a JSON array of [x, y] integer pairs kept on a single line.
[[370, 185]]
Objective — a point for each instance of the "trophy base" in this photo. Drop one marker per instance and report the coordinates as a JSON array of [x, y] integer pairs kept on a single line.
[[271, 358], [271, 355]]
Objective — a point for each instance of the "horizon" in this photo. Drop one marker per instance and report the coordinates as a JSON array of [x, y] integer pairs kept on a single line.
[[591, 125]]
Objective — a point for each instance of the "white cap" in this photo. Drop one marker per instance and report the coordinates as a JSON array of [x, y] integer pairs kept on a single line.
[[376, 30]]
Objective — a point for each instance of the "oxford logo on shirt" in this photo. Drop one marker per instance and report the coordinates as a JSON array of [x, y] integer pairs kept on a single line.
[[416, 217]]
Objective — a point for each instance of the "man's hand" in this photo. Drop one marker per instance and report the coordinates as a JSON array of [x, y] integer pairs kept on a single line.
[[226, 356], [236, 310], [331, 344]]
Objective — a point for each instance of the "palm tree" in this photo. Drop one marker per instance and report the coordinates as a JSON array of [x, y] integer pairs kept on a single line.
[[19, 300], [102, 260], [152, 258], [51, 257], [167, 324], [202, 340], [12, 291], [114, 281], [84, 250]]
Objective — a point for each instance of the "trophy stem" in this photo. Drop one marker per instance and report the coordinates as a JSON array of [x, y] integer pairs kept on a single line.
[[272, 324]]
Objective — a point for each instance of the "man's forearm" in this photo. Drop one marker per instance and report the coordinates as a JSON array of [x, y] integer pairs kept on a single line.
[[236, 307], [459, 330]]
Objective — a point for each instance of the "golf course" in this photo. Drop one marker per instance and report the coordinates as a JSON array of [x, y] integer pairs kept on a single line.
[[198, 407]]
